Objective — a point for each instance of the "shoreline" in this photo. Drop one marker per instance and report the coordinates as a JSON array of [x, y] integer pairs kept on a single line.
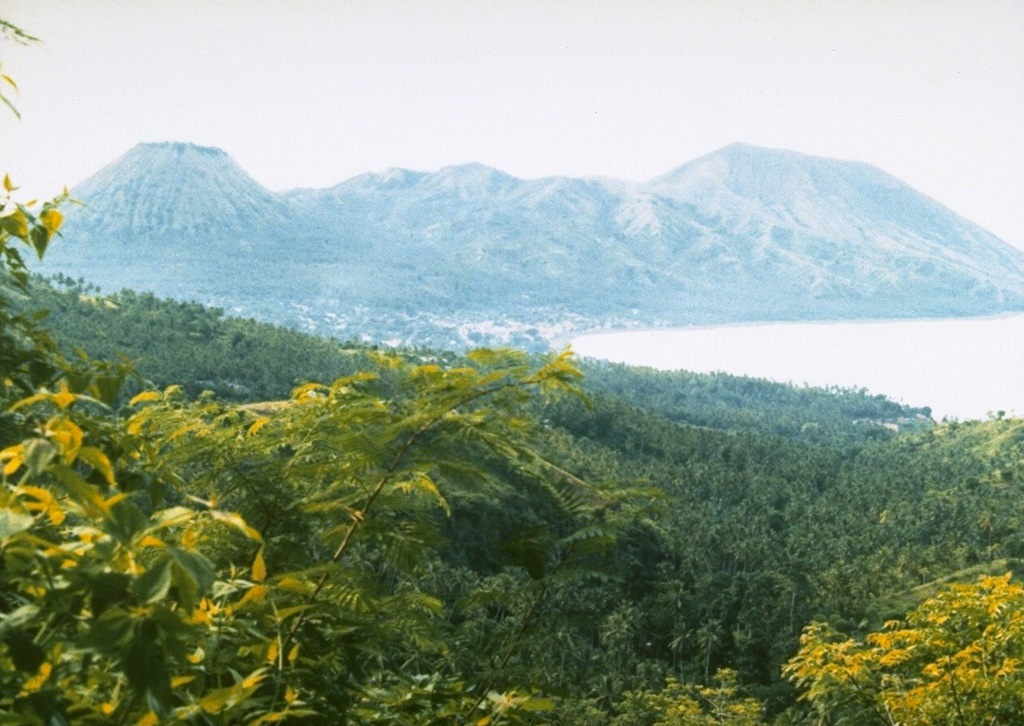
[[561, 342]]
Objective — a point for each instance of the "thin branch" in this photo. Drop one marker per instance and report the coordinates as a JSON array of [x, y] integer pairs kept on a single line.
[[952, 685], [359, 517], [13, 32], [486, 688]]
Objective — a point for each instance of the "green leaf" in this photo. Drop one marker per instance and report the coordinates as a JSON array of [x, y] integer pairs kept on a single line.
[[40, 240], [421, 483], [38, 455], [108, 588], [193, 576], [83, 492], [146, 668], [106, 388], [17, 617], [154, 583], [27, 656], [12, 523], [108, 632], [126, 521]]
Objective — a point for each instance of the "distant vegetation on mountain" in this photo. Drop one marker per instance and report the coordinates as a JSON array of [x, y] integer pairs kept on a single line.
[[469, 255]]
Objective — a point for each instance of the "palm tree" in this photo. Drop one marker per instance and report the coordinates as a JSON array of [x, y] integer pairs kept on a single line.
[[709, 635]]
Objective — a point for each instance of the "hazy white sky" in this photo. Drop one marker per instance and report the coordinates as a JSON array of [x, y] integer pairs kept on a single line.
[[312, 92]]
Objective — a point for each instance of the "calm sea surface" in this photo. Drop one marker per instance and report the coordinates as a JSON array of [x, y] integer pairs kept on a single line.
[[963, 368]]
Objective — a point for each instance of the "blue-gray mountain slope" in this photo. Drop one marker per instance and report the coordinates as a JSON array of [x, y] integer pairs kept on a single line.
[[470, 254]]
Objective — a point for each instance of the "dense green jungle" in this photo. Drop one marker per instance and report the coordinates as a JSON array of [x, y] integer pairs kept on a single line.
[[215, 520]]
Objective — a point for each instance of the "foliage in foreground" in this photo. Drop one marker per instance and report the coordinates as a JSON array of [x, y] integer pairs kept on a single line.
[[958, 658], [135, 592]]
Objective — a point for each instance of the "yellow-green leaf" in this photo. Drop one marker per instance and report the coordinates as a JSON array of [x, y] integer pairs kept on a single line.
[[254, 678], [254, 594], [215, 701], [235, 520], [68, 437], [51, 219], [144, 397], [98, 461], [150, 719], [257, 425], [64, 397], [12, 457], [259, 567]]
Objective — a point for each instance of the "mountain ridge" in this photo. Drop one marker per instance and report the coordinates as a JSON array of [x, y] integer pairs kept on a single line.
[[471, 254], [161, 164]]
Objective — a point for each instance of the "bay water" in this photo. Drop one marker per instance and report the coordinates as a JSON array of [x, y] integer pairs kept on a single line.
[[963, 368]]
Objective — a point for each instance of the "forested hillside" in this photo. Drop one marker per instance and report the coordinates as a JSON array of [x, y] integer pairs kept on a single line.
[[725, 401], [720, 516], [186, 343], [244, 360]]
